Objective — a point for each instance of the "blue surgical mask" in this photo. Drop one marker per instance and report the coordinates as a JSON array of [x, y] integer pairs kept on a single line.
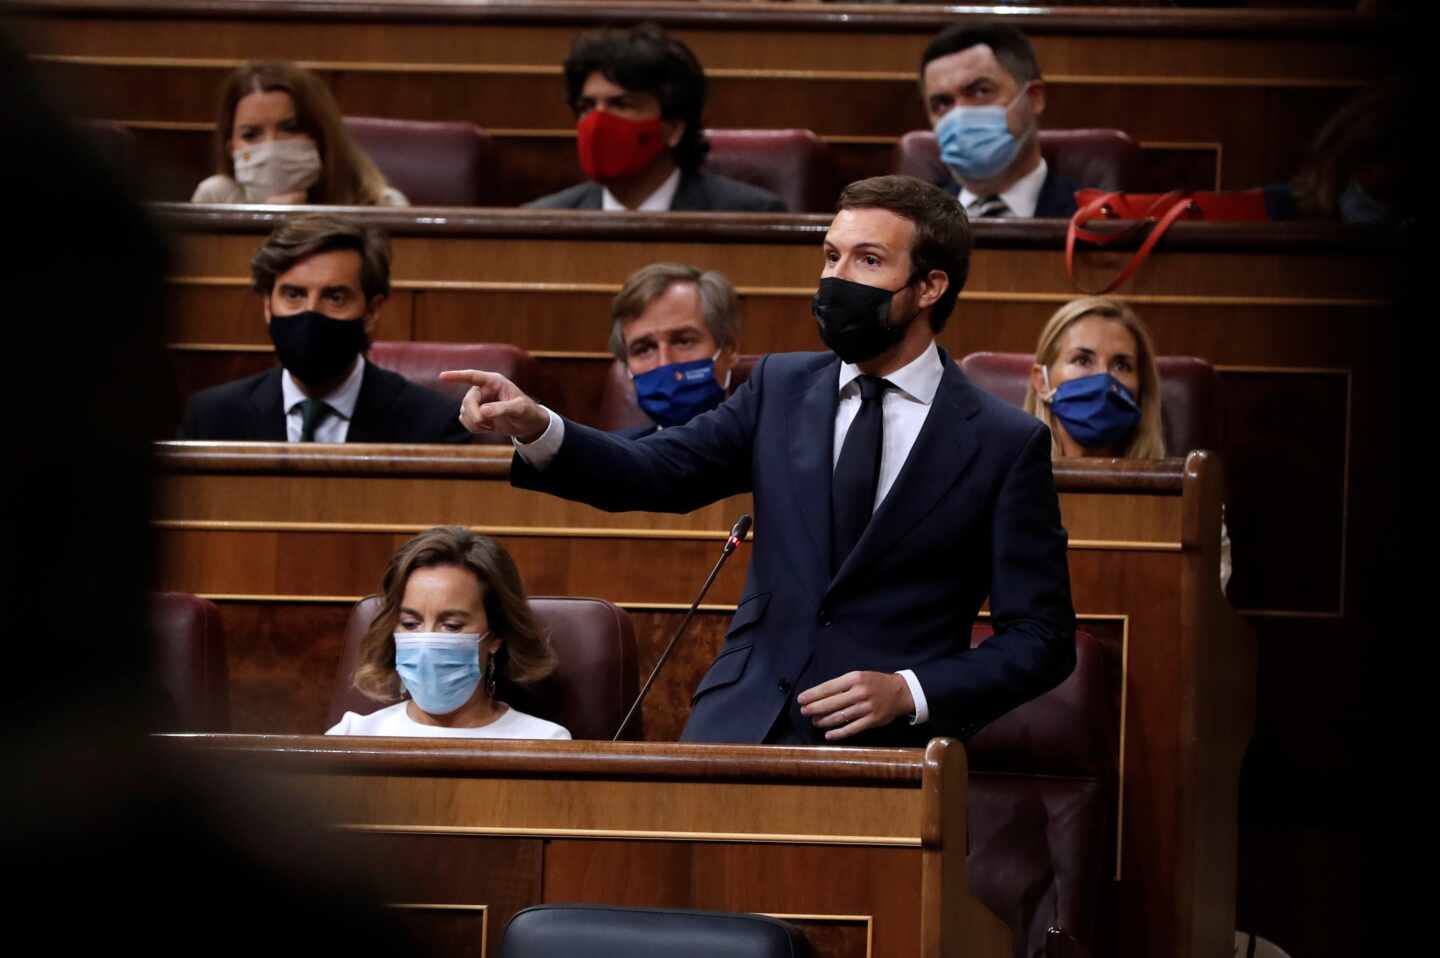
[[1097, 411], [441, 670], [1357, 206], [976, 142], [675, 394]]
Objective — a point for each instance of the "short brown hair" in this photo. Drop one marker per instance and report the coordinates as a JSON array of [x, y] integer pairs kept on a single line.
[[942, 233], [348, 177], [301, 237], [719, 303], [524, 656]]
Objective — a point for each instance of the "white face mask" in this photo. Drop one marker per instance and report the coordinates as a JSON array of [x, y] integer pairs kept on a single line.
[[275, 167]]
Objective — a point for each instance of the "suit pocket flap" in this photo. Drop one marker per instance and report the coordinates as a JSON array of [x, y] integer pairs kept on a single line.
[[749, 612], [725, 670]]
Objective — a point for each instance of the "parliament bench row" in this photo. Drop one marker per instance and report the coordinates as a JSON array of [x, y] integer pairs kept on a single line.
[[1228, 99], [284, 540]]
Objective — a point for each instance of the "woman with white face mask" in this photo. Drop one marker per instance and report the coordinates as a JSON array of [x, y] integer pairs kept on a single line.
[[454, 628], [279, 139]]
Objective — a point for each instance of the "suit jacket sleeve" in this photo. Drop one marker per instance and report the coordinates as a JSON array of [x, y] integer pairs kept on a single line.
[[678, 469], [1033, 648]]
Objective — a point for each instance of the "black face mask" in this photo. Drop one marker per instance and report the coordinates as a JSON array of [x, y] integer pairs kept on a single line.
[[854, 319], [316, 348]]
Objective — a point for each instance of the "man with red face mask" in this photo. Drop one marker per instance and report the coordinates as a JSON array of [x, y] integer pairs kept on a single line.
[[639, 95]]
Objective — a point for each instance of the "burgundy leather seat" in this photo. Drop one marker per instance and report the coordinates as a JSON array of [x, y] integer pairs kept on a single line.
[[432, 163], [619, 408], [1043, 807], [589, 692], [1187, 393], [1104, 159], [793, 164], [190, 662], [422, 363]]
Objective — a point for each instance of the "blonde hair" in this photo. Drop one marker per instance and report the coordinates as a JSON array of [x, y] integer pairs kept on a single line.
[[524, 656], [1148, 442], [348, 177]]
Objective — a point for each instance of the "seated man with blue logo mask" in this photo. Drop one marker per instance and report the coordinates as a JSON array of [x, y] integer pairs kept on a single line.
[[984, 96], [677, 330]]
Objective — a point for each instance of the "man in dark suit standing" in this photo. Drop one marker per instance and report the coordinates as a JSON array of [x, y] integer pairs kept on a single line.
[[892, 498], [322, 280], [639, 95], [985, 96]]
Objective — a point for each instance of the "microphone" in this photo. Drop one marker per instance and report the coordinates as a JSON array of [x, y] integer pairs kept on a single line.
[[738, 532]]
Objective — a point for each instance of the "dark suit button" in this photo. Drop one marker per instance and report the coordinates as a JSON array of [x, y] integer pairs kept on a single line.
[[824, 617], [784, 685]]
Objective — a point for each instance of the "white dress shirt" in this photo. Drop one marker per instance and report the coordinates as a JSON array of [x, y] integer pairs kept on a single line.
[[1021, 198], [657, 202], [334, 426], [903, 409]]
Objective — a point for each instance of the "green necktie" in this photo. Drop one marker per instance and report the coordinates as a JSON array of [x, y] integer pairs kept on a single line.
[[312, 411]]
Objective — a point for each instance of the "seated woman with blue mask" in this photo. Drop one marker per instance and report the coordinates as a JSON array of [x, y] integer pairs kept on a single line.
[[453, 622], [1096, 384]]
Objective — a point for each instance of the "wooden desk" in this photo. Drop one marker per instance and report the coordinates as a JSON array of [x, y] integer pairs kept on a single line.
[[1215, 97], [1295, 317], [285, 538], [471, 832]]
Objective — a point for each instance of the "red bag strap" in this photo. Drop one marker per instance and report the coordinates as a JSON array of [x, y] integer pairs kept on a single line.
[[1179, 206]]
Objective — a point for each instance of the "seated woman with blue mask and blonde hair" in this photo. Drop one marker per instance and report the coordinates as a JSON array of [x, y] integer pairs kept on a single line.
[[1096, 384], [453, 622]]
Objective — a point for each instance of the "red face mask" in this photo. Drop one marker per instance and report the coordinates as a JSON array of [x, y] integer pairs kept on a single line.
[[612, 147]]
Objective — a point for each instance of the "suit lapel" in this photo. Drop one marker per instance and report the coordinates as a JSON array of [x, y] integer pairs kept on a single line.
[[377, 392], [592, 198], [267, 407], [943, 450], [690, 194], [811, 447]]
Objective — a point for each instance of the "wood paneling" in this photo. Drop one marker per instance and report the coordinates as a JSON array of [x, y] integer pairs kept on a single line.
[[1293, 317], [1138, 591], [506, 824]]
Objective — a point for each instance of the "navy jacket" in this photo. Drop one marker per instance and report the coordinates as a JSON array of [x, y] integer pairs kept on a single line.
[[972, 515], [1056, 199], [698, 192], [390, 408]]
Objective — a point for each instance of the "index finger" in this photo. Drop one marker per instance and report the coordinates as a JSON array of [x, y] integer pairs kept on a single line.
[[475, 377], [826, 688]]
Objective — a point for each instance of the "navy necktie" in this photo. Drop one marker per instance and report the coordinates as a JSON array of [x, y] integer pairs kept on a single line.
[[857, 472]]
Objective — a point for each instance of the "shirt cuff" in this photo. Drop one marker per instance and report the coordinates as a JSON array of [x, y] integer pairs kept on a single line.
[[922, 708], [543, 450]]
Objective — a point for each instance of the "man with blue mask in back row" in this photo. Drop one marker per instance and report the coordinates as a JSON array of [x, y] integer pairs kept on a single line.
[[985, 96], [677, 330]]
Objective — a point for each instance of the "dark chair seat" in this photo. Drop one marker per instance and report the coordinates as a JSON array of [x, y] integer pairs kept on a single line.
[[422, 363], [432, 163], [793, 164], [600, 931], [190, 662], [1043, 806]]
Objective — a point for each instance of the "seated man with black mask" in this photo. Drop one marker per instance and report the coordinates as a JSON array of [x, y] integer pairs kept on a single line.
[[677, 330], [638, 95], [322, 280]]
